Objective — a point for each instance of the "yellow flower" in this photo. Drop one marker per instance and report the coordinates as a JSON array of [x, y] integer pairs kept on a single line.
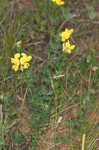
[[19, 43], [65, 35], [58, 2], [15, 61], [23, 60], [20, 61], [17, 55], [67, 47], [15, 67], [26, 65], [29, 58], [23, 54]]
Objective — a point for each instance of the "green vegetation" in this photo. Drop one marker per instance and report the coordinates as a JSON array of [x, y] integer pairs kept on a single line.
[[54, 101]]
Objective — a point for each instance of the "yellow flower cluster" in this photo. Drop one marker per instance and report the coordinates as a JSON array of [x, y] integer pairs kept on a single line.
[[66, 34], [20, 61], [67, 47], [19, 43], [58, 2]]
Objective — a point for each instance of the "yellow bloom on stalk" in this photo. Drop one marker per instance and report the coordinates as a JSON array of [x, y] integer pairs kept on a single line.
[[19, 43], [20, 61], [29, 58], [15, 67], [67, 47], [23, 54], [17, 55], [15, 61], [58, 2], [26, 65], [65, 35]]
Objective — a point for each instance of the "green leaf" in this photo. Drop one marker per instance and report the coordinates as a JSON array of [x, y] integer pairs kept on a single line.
[[2, 142], [92, 15], [92, 91], [91, 11], [67, 14]]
